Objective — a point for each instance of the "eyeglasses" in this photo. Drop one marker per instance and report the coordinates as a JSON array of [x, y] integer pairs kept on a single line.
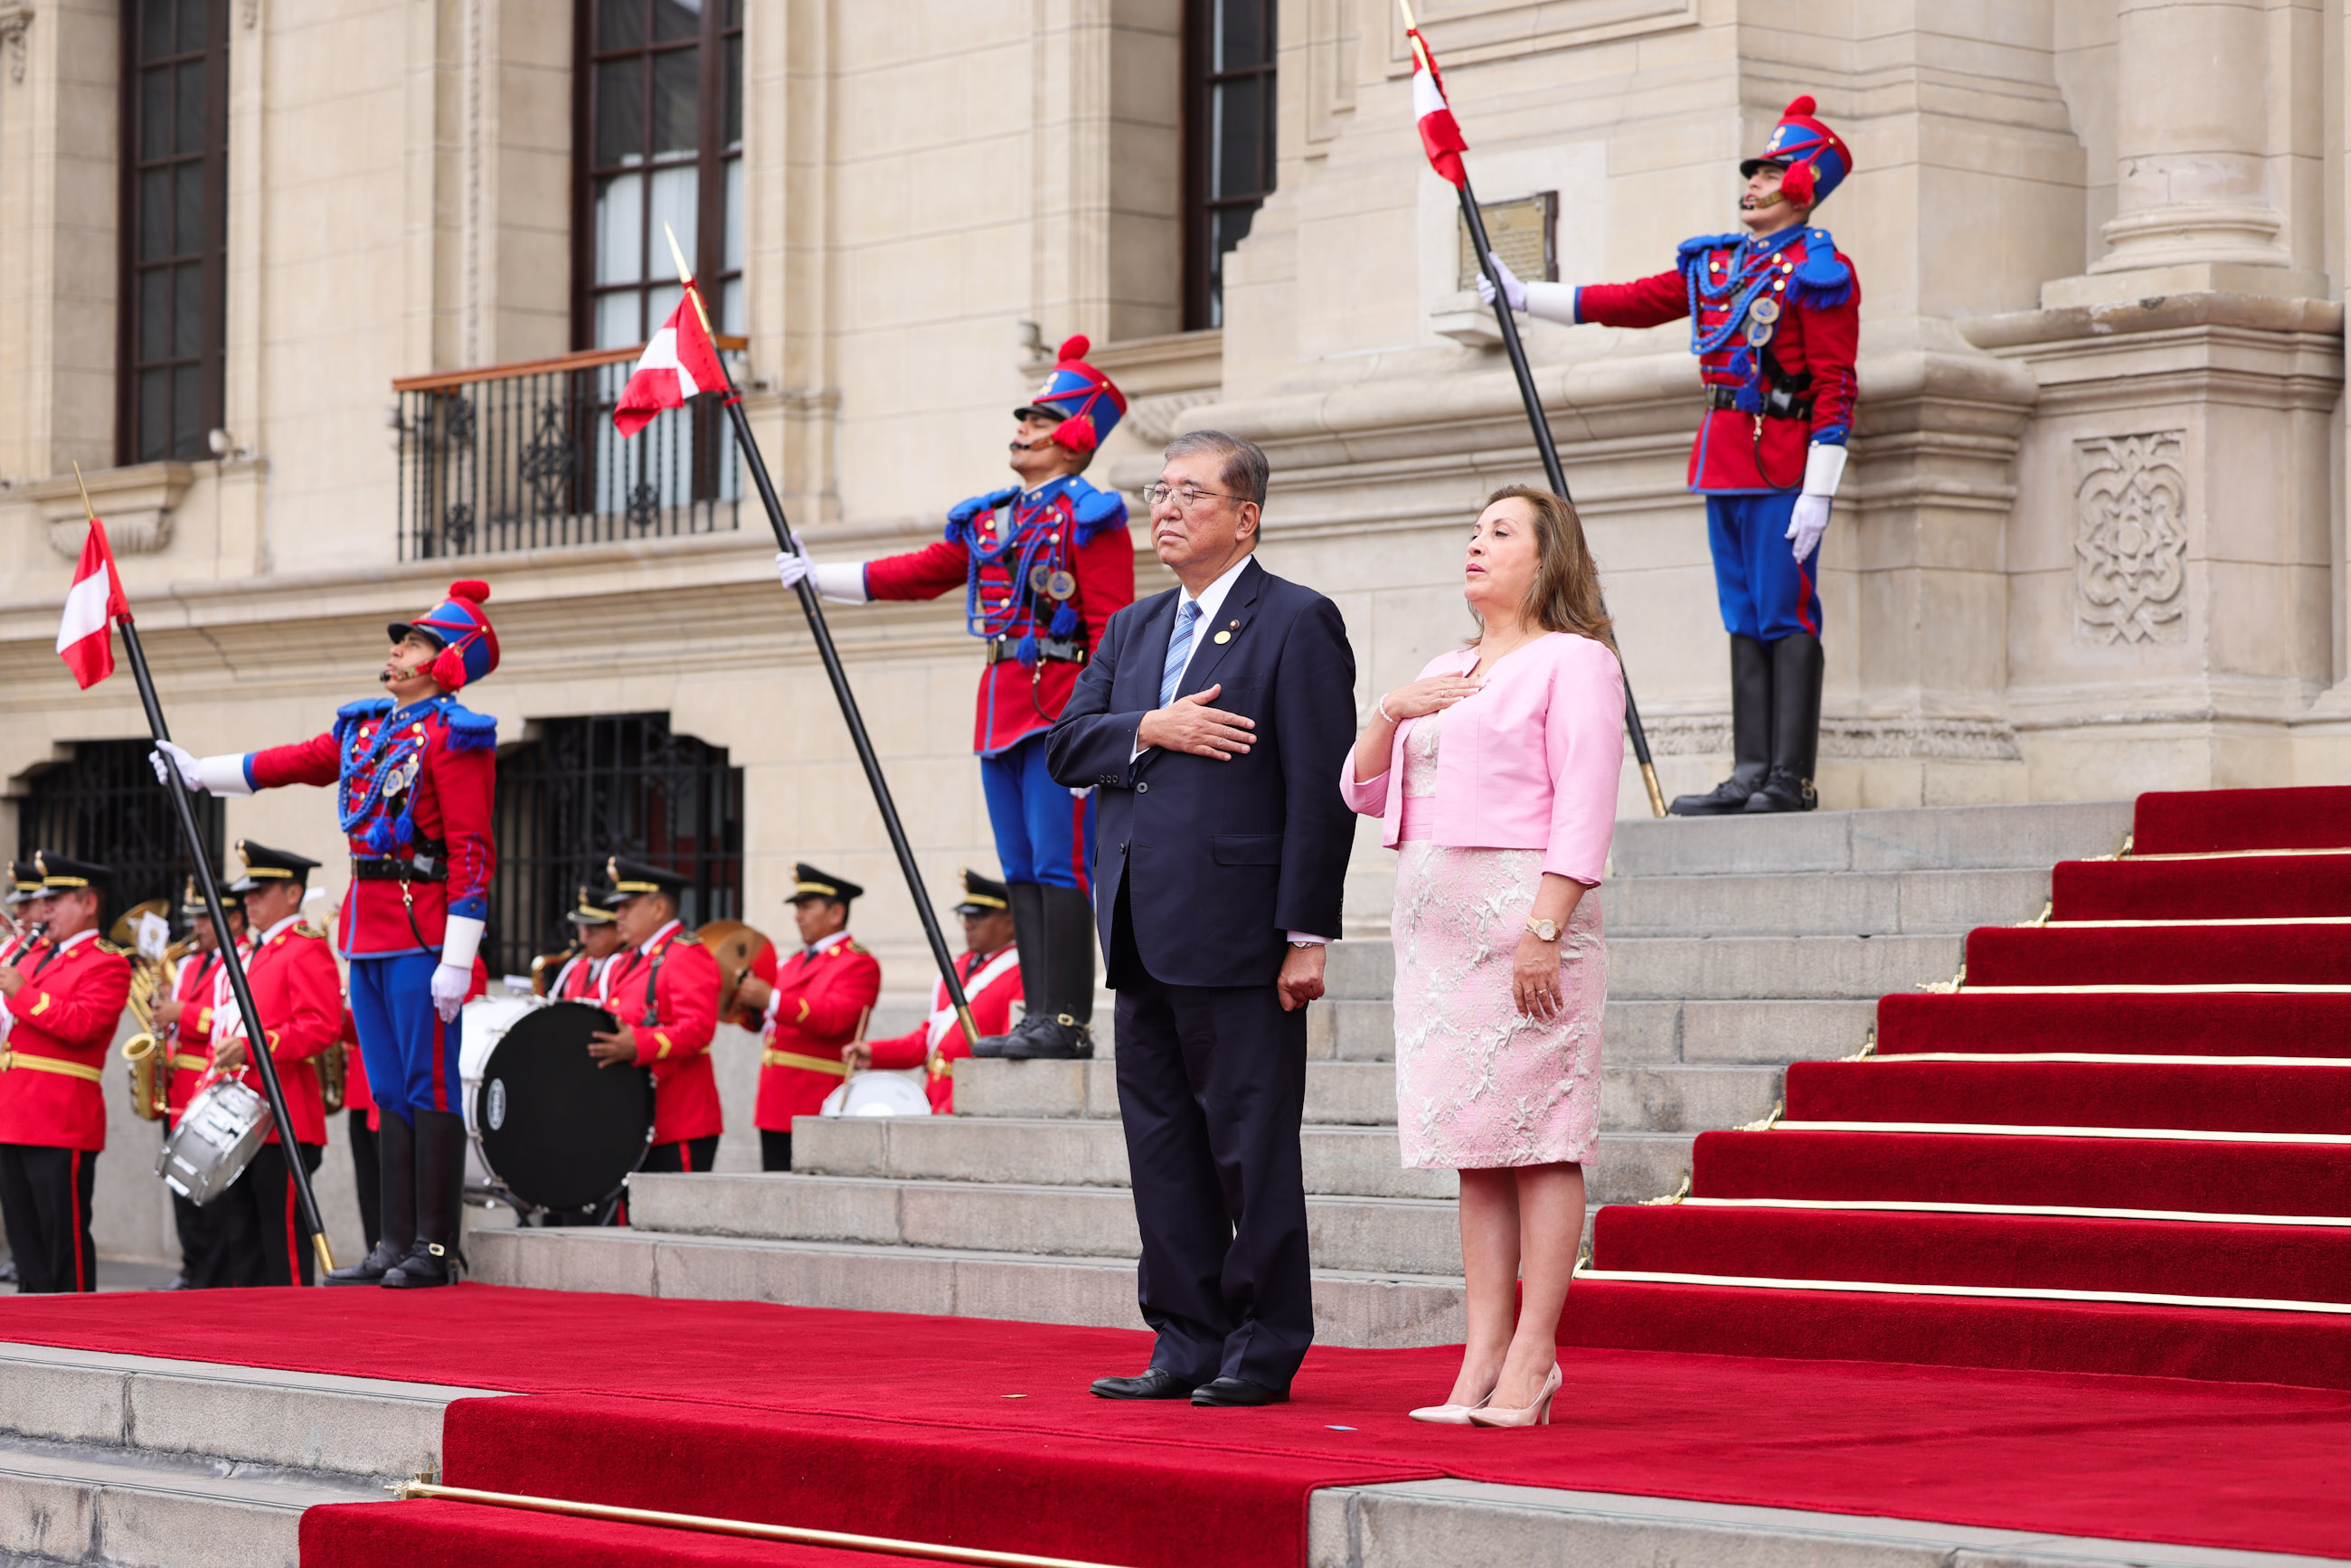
[[1186, 496]]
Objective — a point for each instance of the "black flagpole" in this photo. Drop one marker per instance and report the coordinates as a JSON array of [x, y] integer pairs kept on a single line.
[[814, 611], [256, 1037]]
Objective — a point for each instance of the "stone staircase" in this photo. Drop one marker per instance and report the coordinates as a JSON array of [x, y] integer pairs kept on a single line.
[[1735, 948]]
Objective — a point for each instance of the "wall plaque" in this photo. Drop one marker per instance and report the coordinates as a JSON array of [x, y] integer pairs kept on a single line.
[[1525, 235]]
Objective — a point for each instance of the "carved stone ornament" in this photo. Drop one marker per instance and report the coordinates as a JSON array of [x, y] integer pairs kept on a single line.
[[2130, 539], [136, 502], [14, 19]]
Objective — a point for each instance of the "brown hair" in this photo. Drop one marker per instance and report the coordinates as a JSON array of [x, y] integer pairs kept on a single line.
[[1567, 593]]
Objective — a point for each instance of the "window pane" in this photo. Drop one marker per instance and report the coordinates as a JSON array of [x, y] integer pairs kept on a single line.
[[731, 251], [188, 225], [154, 416], [620, 231], [730, 312], [620, 112], [154, 115], [677, 124], [154, 214], [192, 108], [1238, 165], [187, 310], [195, 16], [617, 320], [620, 23], [187, 412], [154, 30], [677, 19], [155, 315], [1244, 33], [733, 13], [676, 194], [731, 134], [659, 303]]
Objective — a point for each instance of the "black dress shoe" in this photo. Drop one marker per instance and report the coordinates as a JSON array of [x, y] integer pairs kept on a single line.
[[1156, 1384], [1238, 1391]]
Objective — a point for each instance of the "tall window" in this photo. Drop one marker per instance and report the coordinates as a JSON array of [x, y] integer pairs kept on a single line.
[[588, 788], [1228, 126], [660, 142], [104, 805], [174, 226]]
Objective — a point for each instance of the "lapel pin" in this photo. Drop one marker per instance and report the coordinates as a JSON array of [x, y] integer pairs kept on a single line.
[[1224, 636]]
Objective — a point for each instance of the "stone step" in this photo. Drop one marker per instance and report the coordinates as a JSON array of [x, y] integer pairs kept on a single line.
[[1738, 968], [1933, 838], [1725, 1033], [1676, 1098], [1358, 971], [1355, 1162], [1338, 1093], [1367, 1309], [1410, 1235], [1841, 904]]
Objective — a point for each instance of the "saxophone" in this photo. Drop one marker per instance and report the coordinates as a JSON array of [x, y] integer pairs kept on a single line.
[[149, 1057]]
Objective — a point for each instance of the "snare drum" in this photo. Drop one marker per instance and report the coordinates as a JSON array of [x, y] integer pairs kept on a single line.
[[878, 1095], [221, 1131]]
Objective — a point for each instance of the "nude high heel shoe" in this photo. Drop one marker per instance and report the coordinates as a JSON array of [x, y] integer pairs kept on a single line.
[[1535, 1414], [1450, 1414]]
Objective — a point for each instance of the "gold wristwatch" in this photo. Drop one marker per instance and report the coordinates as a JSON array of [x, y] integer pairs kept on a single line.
[[1544, 930]]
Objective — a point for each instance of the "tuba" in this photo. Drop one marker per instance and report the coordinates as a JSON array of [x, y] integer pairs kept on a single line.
[[547, 966], [737, 946], [152, 974]]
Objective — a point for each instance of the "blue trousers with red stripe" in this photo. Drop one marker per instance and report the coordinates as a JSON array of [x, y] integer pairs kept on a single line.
[[410, 1055], [1043, 832], [1766, 592]]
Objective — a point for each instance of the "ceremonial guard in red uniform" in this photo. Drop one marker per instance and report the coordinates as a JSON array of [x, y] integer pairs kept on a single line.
[[60, 998], [1775, 321], [415, 775], [299, 993], [818, 1003], [990, 972], [664, 992], [1043, 566], [185, 1020], [600, 938]]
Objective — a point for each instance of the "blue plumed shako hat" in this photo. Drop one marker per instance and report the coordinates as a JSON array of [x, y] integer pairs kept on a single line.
[[469, 644], [1817, 158], [1080, 396]]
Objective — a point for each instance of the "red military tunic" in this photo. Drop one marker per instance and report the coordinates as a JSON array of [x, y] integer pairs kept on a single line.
[[299, 992], [191, 1044], [1077, 524], [575, 981], [820, 1001], [991, 984], [57, 1028], [1817, 332], [445, 800], [674, 1040]]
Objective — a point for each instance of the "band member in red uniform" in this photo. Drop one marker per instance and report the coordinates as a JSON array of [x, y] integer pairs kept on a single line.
[[664, 990], [415, 776], [990, 972], [598, 936], [187, 1017], [1043, 566], [60, 999], [817, 1004], [299, 992], [18, 931]]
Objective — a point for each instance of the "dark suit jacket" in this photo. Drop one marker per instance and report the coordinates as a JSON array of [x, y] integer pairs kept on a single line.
[[1218, 860]]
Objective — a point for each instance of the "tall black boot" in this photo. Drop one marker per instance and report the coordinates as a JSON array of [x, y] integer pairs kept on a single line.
[[1750, 735], [1060, 1001], [395, 1153], [1797, 667], [434, 1257]]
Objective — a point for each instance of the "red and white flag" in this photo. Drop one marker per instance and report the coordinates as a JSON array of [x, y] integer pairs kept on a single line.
[[86, 632], [1439, 136], [680, 362]]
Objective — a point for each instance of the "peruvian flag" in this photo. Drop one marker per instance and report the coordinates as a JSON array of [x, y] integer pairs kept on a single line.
[[85, 633], [1439, 136], [680, 362]]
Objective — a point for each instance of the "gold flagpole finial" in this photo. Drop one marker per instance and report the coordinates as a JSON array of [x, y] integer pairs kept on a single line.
[[90, 510], [686, 276]]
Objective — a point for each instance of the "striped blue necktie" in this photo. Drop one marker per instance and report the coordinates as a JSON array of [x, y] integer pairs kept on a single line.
[[1179, 650]]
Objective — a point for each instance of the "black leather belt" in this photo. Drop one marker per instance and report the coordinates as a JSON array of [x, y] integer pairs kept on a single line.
[[1727, 397], [1001, 649], [433, 865]]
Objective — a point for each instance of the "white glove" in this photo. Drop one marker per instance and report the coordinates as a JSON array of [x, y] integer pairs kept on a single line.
[[1810, 521], [793, 564], [168, 758], [1512, 290], [450, 984]]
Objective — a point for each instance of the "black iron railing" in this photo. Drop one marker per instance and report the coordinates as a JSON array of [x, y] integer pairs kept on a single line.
[[525, 456]]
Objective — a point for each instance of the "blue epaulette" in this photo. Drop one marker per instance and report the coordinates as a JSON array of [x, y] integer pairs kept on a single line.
[[468, 730], [365, 707], [960, 514], [1697, 246], [1094, 511], [1821, 281]]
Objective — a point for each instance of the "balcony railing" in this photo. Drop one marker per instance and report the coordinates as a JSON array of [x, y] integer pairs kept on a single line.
[[513, 457]]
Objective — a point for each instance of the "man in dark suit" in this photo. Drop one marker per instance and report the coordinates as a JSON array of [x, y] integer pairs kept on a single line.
[[1217, 874]]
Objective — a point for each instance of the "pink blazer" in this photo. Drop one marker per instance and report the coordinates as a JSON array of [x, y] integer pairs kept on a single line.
[[1531, 762]]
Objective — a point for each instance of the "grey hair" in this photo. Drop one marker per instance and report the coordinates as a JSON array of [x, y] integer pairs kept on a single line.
[[1246, 469]]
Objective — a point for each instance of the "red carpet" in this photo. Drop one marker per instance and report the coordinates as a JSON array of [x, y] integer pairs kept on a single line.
[[868, 1420], [2221, 821], [436, 1534], [2141, 956], [2255, 887], [2211, 1025], [2237, 1099]]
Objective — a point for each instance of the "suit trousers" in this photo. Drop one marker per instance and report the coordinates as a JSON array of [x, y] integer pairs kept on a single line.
[[261, 1227], [44, 1203], [1212, 1088]]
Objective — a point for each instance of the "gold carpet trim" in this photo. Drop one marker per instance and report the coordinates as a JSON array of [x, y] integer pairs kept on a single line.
[[2344, 850], [2111, 1056], [2058, 1212], [2003, 1292], [930, 1550], [2201, 988], [2007, 1129], [2156, 924]]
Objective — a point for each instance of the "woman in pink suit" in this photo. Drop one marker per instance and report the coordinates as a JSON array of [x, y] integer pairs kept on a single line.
[[1495, 776]]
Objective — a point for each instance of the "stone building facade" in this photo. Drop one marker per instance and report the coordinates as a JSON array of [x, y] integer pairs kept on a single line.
[[2092, 541]]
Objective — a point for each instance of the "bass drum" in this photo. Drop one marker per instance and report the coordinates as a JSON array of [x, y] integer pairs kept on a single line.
[[481, 1025], [878, 1095], [558, 1130]]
